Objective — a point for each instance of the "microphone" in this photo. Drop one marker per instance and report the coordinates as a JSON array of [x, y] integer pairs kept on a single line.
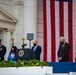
[[23, 45]]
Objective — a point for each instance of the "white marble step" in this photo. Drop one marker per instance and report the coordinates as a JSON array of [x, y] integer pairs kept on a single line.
[[59, 74]]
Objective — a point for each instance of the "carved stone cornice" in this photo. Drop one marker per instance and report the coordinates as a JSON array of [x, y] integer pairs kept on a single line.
[[9, 30], [19, 3], [7, 16], [6, 25], [7, 21]]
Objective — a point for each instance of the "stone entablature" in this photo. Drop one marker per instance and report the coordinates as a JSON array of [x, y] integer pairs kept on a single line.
[[7, 21]]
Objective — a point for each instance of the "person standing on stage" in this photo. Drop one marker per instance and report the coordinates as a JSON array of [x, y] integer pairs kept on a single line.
[[11, 56], [37, 49], [63, 50], [2, 51]]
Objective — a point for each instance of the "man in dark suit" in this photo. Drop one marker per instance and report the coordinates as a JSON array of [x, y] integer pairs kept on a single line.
[[37, 49], [63, 50], [2, 51]]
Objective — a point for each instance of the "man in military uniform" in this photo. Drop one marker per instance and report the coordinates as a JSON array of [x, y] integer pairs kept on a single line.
[[2, 51]]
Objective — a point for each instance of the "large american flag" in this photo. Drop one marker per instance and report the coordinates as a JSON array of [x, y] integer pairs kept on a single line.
[[59, 18]]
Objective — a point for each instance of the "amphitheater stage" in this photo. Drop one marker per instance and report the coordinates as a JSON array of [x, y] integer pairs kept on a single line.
[[63, 67]]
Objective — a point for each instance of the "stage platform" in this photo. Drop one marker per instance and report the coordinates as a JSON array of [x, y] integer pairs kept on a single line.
[[63, 67]]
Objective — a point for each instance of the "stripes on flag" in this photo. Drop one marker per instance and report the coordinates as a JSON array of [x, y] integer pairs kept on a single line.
[[52, 16], [45, 31], [48, 30], [74, 29], [70, 31], [57, 16], [61, 18], [57, 26]]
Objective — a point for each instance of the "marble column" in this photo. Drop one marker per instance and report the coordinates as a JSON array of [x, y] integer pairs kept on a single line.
[[8, 42], [30, 19]]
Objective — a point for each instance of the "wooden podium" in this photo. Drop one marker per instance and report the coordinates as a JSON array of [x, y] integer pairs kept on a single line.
[[25, 54]]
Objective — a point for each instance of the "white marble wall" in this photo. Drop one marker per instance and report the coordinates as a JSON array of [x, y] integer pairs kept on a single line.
[[18, 13]]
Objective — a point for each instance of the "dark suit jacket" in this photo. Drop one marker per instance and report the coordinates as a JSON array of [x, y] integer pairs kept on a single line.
[[2, 52], [63, 52], [37, 51]]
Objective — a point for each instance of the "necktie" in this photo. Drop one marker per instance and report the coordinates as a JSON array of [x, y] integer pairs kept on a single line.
[[34, 48]]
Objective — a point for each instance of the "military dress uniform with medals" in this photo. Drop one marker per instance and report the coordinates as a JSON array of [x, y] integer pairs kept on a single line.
[[2, 52]]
